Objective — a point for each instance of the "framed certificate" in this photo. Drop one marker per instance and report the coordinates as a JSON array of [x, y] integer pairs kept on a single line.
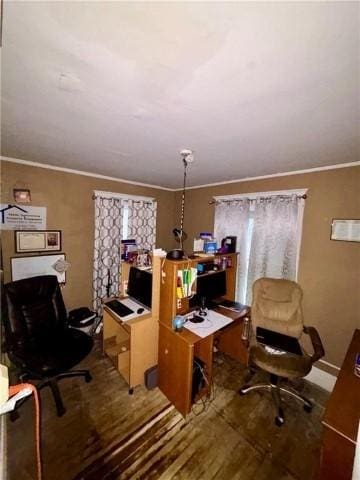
[[345, 230], [37, 241]]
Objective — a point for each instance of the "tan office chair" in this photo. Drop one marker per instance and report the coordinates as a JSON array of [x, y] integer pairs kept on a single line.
[[277, 307]]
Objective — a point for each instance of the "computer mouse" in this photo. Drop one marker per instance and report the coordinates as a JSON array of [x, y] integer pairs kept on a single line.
[[140, 310], [196, 319]]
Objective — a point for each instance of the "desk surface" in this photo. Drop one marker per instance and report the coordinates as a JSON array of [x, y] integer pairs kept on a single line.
[[191, 338], [343, 409]]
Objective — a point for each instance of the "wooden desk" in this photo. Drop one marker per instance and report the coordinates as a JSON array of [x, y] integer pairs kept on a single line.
[[132, 345], [178, 349], [124, 344], [341, 420]]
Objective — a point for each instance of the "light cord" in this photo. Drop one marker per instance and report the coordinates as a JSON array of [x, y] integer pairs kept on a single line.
[[183, 206]]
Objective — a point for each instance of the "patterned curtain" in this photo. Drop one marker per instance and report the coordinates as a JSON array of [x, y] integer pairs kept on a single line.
[[142, 223], [274, 240], [232, 218], [108, 233]]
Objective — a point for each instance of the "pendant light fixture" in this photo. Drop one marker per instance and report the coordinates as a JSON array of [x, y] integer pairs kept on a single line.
[[187, 157]]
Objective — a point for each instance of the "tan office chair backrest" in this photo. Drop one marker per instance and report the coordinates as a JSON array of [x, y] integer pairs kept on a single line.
[[277, 306]]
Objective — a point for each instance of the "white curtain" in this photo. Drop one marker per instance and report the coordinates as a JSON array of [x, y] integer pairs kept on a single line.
[[232, 218], [274, 240], [108, 233], [142, 223]]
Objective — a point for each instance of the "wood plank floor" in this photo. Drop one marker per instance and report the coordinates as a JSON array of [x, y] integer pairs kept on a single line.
[[108, 434]]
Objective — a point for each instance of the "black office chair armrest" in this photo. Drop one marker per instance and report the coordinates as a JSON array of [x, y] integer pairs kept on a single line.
[[317, 345]]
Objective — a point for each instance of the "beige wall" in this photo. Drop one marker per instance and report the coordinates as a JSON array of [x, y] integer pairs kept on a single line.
[[70, 208], [329, 271]]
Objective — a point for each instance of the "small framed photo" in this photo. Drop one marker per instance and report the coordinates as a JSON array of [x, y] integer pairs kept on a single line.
[[37, 241], [345, 230]]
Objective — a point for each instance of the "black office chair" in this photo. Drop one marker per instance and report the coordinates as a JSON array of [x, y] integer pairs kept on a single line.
[[37, 337]]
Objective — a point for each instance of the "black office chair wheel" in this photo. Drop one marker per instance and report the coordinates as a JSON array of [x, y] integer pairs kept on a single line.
[[88, 377], [308, 408], [241, 391], [280, 418], [60, 411], [131, 391], [279, 421]]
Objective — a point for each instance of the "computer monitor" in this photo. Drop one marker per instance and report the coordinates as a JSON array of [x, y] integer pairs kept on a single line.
[[140, 286], [209, 286]]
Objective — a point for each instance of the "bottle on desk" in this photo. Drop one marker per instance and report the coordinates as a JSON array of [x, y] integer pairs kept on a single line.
[[246, 329]]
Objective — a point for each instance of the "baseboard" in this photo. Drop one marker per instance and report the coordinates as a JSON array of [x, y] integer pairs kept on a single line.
[[323, 379]]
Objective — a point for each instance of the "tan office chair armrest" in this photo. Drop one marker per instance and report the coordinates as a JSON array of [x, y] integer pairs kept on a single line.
[[316, 343]]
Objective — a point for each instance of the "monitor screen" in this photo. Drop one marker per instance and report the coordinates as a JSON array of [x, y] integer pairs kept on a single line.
[[210, 286], [140, 286]]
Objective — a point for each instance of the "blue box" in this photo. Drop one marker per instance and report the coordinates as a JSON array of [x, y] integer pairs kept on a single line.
[[210, 247]]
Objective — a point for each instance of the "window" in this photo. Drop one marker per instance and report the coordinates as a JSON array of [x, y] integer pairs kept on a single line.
[[268, 227], [125, 223], [118, 217]]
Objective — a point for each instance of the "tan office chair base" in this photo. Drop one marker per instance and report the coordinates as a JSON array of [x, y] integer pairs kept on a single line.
[[275, 389]]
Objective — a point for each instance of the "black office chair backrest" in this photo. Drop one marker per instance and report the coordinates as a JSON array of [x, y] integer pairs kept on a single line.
[[35, 311]]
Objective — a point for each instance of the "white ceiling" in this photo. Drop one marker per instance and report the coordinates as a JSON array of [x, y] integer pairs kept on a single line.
[[115, 88]]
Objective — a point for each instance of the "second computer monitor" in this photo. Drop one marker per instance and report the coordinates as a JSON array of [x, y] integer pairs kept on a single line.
[[210, 286], [140, 286]]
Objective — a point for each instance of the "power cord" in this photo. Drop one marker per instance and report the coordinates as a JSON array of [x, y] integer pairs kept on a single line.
[[15, 389], [205, 401]]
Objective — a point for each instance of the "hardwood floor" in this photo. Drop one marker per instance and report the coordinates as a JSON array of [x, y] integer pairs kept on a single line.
[[108, 434]]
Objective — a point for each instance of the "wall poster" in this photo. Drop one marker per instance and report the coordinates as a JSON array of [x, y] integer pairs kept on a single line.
[[22, 217], [345, 230]]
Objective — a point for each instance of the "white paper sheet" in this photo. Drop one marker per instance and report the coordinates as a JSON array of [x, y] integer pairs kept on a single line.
[[212, 322]]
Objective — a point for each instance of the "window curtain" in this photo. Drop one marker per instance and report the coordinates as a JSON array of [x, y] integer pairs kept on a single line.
[[142, 223], [108, 233], [274, 240], [232, 218]]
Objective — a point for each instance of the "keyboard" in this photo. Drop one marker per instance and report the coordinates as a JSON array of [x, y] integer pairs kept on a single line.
[[236, 306], [119, 308]]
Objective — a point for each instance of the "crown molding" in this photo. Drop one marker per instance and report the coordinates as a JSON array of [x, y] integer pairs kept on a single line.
[[159, 187], [81, 172], [274, 175]]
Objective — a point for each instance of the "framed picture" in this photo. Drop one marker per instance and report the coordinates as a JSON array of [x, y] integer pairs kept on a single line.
[[345, 230], [37, 241]]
